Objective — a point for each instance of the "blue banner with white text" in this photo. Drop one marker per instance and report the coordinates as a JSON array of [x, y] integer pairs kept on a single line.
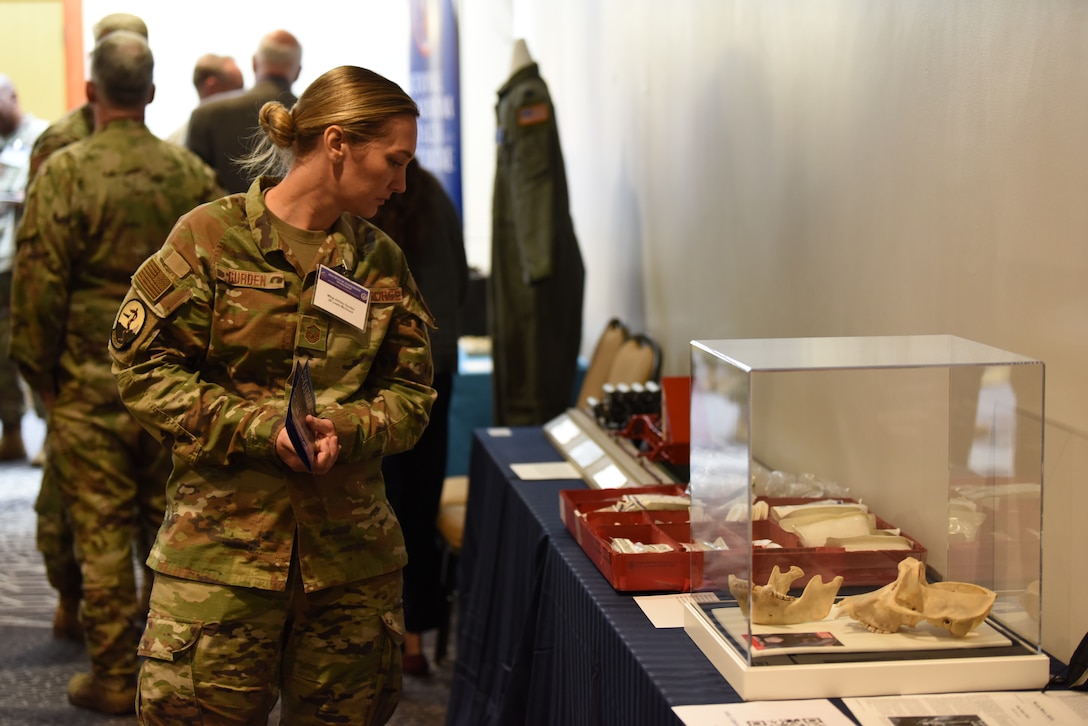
[[435, 86]]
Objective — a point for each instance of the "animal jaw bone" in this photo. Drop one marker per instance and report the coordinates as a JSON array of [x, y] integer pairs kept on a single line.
[[773, 605], [896, 604], [958, 607]]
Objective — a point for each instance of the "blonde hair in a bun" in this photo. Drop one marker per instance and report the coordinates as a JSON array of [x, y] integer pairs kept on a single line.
[[278, 123], [359, 100]]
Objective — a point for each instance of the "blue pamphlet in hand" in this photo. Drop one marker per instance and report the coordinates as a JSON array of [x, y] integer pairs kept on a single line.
[[299, 406]]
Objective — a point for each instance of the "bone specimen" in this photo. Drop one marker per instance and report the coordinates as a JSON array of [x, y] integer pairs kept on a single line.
[[958, 607], [813, 531], [824, 506], [773, 605], [869, 542]]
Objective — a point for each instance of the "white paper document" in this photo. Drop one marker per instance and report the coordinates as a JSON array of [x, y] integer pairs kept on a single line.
[[1013, 708], [1077, 701], [667, 611], [764, 713], [545, 470]]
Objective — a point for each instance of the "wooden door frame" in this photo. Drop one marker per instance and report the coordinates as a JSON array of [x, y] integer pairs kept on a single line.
[[75, 75]]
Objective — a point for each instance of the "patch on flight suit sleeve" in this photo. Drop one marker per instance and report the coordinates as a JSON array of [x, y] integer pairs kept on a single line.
[[536, 113], [130, 321]]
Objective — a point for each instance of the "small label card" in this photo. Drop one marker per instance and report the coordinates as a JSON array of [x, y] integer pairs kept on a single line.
[[545, 471], [341, 296]]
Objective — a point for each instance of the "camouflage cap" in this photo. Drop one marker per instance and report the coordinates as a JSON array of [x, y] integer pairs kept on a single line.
[[119, 21]]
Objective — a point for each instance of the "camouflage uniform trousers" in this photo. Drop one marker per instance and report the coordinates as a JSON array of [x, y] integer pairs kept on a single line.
[[54, 535], [12, 402], [223, 654], [57, 544], [111, 475]]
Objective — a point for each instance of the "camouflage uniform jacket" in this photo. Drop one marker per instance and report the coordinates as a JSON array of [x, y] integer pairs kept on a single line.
[[93, 214], [203, 350], [73, 126]]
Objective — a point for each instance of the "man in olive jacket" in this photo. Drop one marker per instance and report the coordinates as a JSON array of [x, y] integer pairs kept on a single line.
[[220, 130]]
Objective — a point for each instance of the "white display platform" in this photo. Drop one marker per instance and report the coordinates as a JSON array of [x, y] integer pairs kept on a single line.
[[603, 461], [846, 635], [863, 678]]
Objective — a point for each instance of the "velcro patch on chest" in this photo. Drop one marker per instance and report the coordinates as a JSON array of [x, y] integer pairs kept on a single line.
[[250, 278], [389, 295]]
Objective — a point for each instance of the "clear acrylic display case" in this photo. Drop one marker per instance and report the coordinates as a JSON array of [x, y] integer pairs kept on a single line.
[[940, 438]]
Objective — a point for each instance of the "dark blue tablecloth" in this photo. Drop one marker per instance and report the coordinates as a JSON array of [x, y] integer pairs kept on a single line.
[[543, 638]]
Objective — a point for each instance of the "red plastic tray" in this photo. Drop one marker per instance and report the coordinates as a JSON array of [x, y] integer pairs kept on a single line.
[[646, 572], [863, 568], [683, 571]]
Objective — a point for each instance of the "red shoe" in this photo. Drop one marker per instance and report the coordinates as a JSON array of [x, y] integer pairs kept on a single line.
[[416, 665]]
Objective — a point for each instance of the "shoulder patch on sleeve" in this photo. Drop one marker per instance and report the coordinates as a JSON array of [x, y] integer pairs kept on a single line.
[[152, 280], [130, 321], [156, 283], [532, 114]]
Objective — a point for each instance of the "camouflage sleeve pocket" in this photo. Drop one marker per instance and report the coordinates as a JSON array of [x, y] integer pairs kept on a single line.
[[393, 622], [166, 639]]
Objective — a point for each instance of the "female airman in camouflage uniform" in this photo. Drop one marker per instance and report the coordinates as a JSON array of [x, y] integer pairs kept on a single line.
[[273, 579]]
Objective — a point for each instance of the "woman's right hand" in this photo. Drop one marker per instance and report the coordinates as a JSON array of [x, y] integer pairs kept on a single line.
[[326, 451]]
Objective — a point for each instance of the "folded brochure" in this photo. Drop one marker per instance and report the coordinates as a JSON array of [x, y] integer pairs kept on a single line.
[[300, 404]]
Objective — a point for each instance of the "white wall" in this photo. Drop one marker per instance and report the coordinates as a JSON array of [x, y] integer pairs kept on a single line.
[[369, 33], [769, 168], [839, 167]]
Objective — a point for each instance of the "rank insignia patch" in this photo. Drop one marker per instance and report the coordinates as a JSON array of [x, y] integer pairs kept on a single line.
[[130, 321]]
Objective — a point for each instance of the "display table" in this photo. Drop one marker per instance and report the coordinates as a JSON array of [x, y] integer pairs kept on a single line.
[[542, 637]]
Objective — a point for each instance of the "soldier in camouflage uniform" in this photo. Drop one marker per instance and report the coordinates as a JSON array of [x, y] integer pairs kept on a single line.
[[95, 211], [18, 129], [78, 123], [54, 533], [274, 580]]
